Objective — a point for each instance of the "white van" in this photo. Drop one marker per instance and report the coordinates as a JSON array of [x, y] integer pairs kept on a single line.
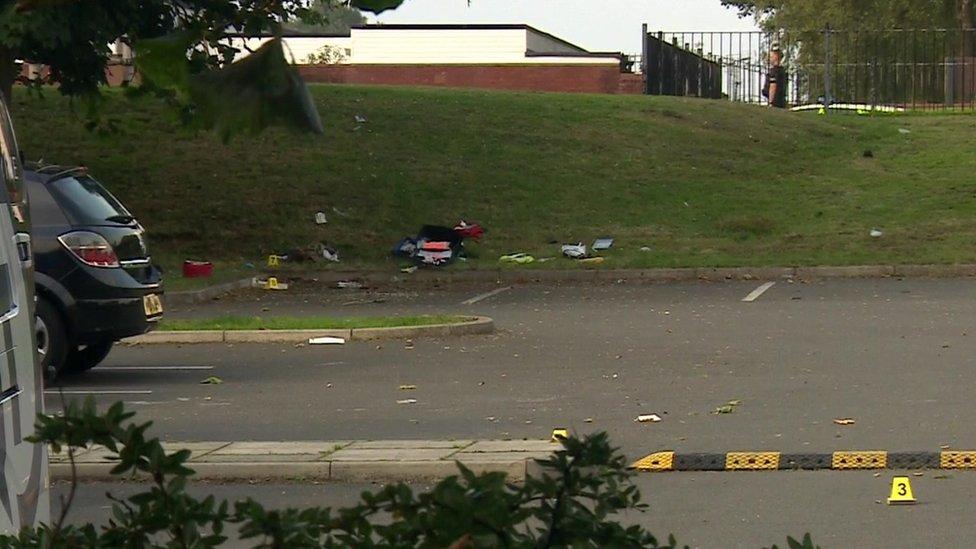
[[24, 498]]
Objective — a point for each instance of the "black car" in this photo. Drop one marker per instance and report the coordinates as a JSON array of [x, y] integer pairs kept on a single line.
[[95, 281]]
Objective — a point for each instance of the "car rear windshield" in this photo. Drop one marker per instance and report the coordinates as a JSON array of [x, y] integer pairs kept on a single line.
[[88, 203]]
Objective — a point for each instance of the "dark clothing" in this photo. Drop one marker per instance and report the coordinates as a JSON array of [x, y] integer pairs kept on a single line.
[[776, 75]]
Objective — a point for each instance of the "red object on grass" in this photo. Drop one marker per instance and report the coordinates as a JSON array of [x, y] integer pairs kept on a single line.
[[469, 230], [197, 269]]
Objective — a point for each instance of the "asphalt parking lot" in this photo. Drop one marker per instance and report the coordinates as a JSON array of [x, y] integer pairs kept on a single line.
[[894, 355]]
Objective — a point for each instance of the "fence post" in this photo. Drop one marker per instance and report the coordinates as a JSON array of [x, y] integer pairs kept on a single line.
[[827, 62], [644, 61]]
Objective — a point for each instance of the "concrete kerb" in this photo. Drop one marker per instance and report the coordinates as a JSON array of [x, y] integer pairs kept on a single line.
[[344, 461], [475, 326]]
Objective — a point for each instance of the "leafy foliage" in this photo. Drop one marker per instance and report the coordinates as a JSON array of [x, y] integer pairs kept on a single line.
[[176, 40], [857, 14]]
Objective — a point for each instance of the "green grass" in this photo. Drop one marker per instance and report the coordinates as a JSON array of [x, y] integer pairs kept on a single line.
[[306, 323], [701, 183]]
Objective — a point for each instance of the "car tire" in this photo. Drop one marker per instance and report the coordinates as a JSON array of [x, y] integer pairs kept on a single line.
[[82, 360], [52, 339]]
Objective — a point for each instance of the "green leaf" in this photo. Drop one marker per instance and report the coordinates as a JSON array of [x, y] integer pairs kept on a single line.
[[375, 6], [163, 60]]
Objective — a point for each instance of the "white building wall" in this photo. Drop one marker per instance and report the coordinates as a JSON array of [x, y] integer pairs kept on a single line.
[[438, 46], [298, 48]]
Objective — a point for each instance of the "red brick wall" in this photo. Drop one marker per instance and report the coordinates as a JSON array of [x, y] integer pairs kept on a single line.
[[556, 78]]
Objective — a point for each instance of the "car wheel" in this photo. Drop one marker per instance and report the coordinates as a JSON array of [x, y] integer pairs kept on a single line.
[[84, 359], [52, 338]]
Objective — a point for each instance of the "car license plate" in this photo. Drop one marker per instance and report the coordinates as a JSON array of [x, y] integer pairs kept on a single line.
[[153, 305]]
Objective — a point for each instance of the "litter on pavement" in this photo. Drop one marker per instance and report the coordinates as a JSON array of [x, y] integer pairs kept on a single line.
[[648, 418], [844, 421], [408, 387], [326, 341], [212, 380], [407, 401]]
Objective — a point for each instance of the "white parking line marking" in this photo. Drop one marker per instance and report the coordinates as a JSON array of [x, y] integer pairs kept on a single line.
[[154, 368], [99, 392], [758, 292], [485, 296]]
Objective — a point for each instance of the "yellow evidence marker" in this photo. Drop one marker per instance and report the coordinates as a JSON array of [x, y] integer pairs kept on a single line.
[[273, 284], [274, 261], [559, 435], [901, 492]]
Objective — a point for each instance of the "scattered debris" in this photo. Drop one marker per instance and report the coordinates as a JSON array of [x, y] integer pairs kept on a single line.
[[648, 418], [407, 401], [327, 341], [603, 243], [197, 269], [473, 231], [328, 385], [519, 258], [918, 474], [592, 260], [320, 218], [588, 420], [408, 387], [904, 131], [844, 421], [409, 270], [434, 246], [491, 418], [728, 408], [574, 251], [361, 119], [941, 477], [645, 248], [349, 285], [182, 399], [875, 233], [212, 380]]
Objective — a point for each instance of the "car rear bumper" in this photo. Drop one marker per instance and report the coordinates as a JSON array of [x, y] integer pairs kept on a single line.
[[113, 319]]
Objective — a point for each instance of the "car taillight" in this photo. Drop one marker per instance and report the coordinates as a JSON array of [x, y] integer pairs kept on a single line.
[[91, 248]]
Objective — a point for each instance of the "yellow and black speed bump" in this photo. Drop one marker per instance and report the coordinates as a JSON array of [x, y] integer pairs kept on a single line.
[[838, 461]]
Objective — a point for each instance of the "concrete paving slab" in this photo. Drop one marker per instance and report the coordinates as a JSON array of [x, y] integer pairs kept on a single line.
[[513, 446], [410, 444], [197, 449], [498, 457], [282, 448], [390, 454]]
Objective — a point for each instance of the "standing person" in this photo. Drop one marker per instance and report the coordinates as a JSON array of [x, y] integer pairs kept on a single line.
[[775, 88]]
